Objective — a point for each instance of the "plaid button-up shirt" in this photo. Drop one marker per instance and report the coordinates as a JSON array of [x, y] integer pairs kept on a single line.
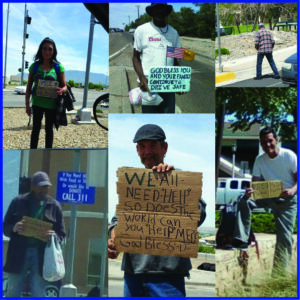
[[264, 40]]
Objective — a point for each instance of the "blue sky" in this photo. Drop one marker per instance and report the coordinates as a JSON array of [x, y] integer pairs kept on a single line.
[[66, 23], [191, 148], [119, 12]]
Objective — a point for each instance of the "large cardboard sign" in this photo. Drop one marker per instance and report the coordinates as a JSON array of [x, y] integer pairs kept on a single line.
[[169, 79], [266, 189], [47, 88], [35, 228], [158, 212]]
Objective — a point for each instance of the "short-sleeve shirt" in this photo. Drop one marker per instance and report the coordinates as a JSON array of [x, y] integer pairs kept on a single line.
[[282, 167], [45, 75], [265, 41], [152, 41]]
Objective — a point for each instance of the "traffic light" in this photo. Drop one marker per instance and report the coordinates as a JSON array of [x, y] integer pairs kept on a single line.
[[26, 36], [26, 64], [19, 70], [28, 20]]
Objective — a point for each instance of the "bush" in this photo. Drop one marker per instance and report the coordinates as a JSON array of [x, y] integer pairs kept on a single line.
[[71, 83], [206, 249], [224, 51], [260, 222]]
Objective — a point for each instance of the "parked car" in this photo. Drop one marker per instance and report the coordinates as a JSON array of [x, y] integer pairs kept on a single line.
[[21, 90], [289, 70], [131, 30], [229, 189]]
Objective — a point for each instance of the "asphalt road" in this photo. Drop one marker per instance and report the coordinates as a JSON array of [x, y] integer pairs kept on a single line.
[[267, 81], [200, 98], [11, 99]]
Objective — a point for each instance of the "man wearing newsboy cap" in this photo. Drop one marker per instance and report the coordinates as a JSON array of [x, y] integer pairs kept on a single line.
[[27, 253], [151, 275]]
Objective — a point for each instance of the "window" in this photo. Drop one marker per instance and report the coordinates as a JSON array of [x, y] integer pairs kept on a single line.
[[245, 184], [234, 184], [222, 184], [94, 262]]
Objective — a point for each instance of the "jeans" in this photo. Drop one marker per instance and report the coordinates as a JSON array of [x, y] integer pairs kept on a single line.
[[284, 211], [37, 283], [146, 285], [166, 107], [260, 57], [38, 113]]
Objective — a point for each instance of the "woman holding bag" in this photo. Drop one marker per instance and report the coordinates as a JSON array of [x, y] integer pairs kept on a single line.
[[44, 69]]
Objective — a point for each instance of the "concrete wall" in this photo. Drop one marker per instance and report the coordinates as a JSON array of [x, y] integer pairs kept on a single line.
[[230, 274]]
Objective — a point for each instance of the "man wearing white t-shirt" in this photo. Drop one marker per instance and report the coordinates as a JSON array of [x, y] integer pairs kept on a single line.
[[275, 163], [150, 49]]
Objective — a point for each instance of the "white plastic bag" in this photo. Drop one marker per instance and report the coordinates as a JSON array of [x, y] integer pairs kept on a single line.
[[54, 267], [135, 96], [151, 99]]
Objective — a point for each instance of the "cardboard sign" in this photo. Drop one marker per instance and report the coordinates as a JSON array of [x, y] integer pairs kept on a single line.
[[169, 79], [35, 228], [158, 212], [47, 88], [266, 189]]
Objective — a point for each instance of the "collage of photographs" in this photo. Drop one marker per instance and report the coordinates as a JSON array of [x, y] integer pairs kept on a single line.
[[149, 150]]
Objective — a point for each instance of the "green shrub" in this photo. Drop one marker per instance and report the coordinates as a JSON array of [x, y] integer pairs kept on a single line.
[[206, 249], [71, 83], [259, 222], [224, 51]]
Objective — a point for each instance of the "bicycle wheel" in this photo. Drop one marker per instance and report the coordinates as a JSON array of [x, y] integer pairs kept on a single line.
[[100, 110]]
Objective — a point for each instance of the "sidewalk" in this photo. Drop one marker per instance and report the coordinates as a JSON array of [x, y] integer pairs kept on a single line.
[[245, 68]]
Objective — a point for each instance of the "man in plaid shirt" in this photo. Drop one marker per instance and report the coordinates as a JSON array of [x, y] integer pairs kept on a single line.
[[264, 44]]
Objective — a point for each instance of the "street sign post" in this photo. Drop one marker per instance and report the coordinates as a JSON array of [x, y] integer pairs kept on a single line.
[[72, 188]]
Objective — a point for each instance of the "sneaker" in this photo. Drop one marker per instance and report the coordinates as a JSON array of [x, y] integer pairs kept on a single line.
[[258, 78], [239, 244], [276, 76]]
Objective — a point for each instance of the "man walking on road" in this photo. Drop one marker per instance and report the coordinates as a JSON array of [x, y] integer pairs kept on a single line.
[[150, 48], [274, 164], [27, 253], [150, 275], [264, 44]]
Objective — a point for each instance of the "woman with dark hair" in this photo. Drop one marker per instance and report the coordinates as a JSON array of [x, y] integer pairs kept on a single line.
[[42, 73]]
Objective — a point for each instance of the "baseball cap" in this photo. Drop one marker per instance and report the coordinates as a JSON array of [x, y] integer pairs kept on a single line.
[[40, 179], [149, 132]]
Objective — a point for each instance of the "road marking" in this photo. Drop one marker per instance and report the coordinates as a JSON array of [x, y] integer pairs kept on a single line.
[[118, 52]]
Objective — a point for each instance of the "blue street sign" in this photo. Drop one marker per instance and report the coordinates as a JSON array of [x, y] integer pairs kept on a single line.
[[72, 188]]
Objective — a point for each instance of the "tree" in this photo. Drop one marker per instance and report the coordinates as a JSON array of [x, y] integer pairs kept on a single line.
[[71, 83], [206, 20]]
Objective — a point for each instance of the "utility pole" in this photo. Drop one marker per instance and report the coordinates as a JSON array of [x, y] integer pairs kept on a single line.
[[27, 21], [4, 84], [129, 20], [219, 40], [138, 10]]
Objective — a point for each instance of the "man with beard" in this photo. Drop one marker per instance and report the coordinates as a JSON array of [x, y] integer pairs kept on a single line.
[[150, 275], [27, 253], [276, 163], [150, 48]]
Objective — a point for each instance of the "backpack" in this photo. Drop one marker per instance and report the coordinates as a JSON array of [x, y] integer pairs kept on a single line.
[[224, 237], [56, 66]]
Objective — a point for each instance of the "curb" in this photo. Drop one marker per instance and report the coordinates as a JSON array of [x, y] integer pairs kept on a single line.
[[225, 77]]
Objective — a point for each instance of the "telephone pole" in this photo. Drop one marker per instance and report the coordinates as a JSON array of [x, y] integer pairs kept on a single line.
[[4, 84]]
